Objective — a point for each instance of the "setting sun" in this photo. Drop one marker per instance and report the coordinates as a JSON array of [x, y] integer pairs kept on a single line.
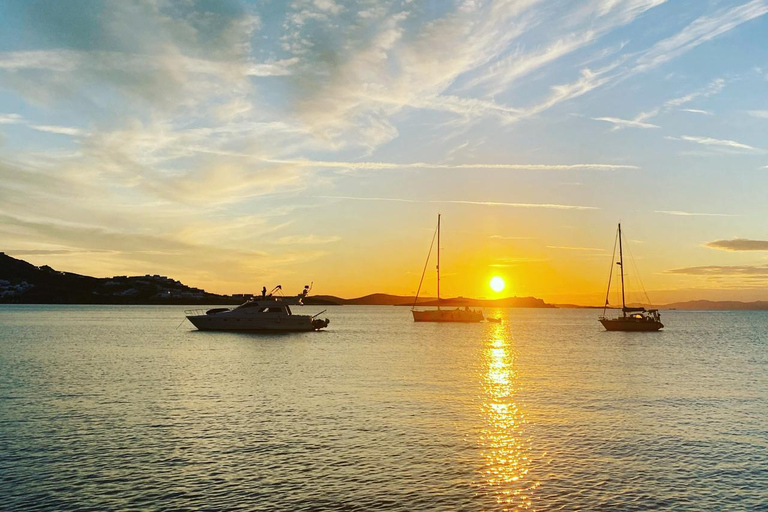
[[497, 284]]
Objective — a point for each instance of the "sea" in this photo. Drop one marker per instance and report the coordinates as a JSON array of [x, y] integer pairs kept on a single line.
[[130, 408]]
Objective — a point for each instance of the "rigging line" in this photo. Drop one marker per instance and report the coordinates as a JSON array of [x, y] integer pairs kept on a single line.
[[610, 274], [423, 272], [642, 287]]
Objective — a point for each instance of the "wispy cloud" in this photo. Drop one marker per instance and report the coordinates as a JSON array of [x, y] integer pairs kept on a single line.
[[307, 239], [423, 165], [54, 252], [570, 248], [625, 123], [722, 270], [738, 245], [760, 114], [16, 119], [721, 143], [514, 262], [714, 87], [693, 214], [697, 111], [10, 119], [502, 237], [551, 206], [60, 130], [700, 31]]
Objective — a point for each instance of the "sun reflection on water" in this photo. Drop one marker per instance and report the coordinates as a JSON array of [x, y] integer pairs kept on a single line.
[[505, 448]]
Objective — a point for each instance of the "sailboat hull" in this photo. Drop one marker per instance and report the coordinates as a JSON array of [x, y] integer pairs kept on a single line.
[[448, 315], [630, 324]]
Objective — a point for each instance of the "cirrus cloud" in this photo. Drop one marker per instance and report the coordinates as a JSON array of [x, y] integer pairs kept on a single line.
[[738, 245]]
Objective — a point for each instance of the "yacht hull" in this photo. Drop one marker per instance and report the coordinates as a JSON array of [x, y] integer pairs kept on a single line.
[[630, 325], [293, 323], [448, 315]]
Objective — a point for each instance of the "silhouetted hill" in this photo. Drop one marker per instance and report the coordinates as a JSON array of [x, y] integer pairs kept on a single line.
[[323, 300], [24, 283], [723, 305]]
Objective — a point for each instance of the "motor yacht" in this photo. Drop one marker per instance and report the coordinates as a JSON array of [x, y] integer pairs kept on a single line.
[[268, 312]]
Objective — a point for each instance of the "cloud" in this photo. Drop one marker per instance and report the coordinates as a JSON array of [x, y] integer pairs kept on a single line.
[[502, 237], [714, 87], [164, 55], [599, 19], [307, 239], [625, 123], [722, 271], [738, 245], [760, 114], [696, 111], [514, 262], [60, 130], [722, 143], [53, 252], [423, 165], [692, 214], [569, 248], [16, 119], [551, 206], [10, 119], [698, 32]]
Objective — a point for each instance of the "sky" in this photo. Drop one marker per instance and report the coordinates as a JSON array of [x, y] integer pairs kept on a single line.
[[238, 144]]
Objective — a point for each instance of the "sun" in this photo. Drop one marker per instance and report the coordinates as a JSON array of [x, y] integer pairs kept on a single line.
[[497, 284]]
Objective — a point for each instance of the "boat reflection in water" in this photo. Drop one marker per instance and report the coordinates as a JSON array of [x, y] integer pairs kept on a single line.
[[503, 443]]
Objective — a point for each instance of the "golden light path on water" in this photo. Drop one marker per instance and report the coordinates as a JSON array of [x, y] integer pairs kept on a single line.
[[505, 448]]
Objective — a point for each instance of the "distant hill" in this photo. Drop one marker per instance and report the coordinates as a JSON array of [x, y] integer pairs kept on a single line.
[[723, 305], [24, 283]]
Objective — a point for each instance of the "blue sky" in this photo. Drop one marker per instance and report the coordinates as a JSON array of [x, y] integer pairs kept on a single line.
[[232, 144]]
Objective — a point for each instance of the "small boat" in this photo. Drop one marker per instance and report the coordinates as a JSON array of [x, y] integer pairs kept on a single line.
[[463, 315], [269, 312], [493, 320], [632, 319]]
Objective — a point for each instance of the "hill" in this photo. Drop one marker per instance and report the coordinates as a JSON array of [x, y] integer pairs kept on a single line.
[[24, 283], [724, 305]]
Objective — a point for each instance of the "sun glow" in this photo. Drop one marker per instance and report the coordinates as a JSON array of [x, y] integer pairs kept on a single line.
[[497, 284]]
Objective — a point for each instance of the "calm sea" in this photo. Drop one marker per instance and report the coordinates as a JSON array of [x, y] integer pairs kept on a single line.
[[120, 408]]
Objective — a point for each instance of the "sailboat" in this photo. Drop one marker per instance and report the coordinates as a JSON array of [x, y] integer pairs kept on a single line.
[[631, 319], [465, 315]]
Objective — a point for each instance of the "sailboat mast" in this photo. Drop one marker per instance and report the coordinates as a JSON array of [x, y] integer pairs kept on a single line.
[[621, 264], [438, 261]]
